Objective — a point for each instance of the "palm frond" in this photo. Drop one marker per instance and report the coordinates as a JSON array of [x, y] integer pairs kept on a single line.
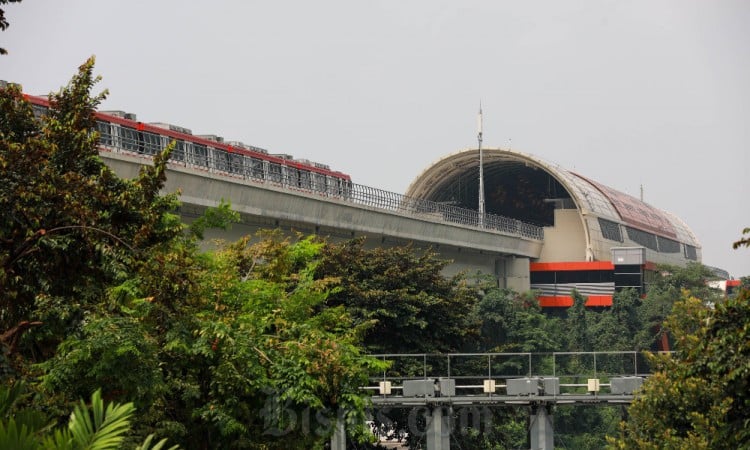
[[100, 428]]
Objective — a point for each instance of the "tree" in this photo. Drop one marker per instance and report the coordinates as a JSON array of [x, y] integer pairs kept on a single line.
[[234, 349], [4, 22], [663, 292], [514, 322], [70, 227], [744, 241], [411, 305], [699, 397]]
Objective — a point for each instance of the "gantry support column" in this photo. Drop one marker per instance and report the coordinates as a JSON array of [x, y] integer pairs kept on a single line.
[[438, 429], [541, 431], [338, 440]]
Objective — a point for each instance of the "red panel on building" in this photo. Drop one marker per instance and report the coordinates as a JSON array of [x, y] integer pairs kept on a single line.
[[566, 302], [571, 265]]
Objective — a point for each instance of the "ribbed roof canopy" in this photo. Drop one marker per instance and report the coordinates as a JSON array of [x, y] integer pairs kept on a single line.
[[528, 188]]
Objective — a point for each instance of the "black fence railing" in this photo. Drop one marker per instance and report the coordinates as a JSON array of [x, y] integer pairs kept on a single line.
[[257, 170]]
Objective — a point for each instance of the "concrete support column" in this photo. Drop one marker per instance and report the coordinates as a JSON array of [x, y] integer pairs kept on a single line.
[[338, 440], [541, 431], [438, 430], [513, 273]]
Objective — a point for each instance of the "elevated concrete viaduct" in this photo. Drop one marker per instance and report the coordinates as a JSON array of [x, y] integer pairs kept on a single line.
[[262, 206]]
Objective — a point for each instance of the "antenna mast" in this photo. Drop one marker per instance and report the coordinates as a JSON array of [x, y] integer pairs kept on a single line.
[[481, 168]]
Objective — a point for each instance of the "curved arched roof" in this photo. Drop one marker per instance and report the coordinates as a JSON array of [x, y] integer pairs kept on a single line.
[[528, 188]]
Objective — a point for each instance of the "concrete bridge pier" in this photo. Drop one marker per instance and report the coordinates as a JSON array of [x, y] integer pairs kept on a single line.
[[512, 272], [541, 432], [338, 440], [438, 430]]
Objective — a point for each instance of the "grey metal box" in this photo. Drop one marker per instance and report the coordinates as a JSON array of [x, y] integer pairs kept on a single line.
[[533, 386], [551, 386], [625, 385], [419, 388], [522, 386], [628, 255], [447, 386]]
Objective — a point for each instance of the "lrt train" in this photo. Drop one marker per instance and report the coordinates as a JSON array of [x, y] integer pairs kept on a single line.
[[122, 132]]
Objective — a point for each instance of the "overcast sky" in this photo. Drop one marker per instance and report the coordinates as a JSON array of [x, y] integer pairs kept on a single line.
[[624, 92]]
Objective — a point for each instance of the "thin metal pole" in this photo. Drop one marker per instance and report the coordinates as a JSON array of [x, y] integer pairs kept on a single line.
[[595, 365], [529, 364], [554, 365], [481, 169]]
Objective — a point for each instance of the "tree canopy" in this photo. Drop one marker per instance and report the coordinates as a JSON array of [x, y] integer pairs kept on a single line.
[[4, 24], [70, 226], [234, 348], [699, 396], [411, 306]]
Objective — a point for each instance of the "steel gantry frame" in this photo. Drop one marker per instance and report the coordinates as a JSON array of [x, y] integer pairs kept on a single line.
[[439, 385]]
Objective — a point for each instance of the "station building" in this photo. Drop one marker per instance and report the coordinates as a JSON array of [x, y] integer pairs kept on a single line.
[[596, 238]]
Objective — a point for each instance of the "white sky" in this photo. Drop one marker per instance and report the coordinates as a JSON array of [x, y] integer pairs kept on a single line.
[[624, 92]]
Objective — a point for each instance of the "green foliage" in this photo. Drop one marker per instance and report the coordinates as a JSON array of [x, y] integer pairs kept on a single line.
[[412, 307], [70, 226], [217, 350], [221, 217], [114, 352], [513, 322], [744, 241], [228, 349], [664, 291], [699, 397], [585, 428], [4, 22], [100, 428], [95, 427], [148, 445]]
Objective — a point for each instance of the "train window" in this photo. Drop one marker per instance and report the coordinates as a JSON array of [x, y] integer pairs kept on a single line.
[[304, 179], [129, 139], [235, 161], [150, 143], [221, 160], [105, 133], [274, 172], [331, 185], [291, 176], [39, 110], [178, 154], [256, 168], [318, 182], [199, 155]]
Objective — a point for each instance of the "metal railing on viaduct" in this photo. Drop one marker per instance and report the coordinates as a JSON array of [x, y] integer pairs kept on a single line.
[[339, 189], [391, 201]]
